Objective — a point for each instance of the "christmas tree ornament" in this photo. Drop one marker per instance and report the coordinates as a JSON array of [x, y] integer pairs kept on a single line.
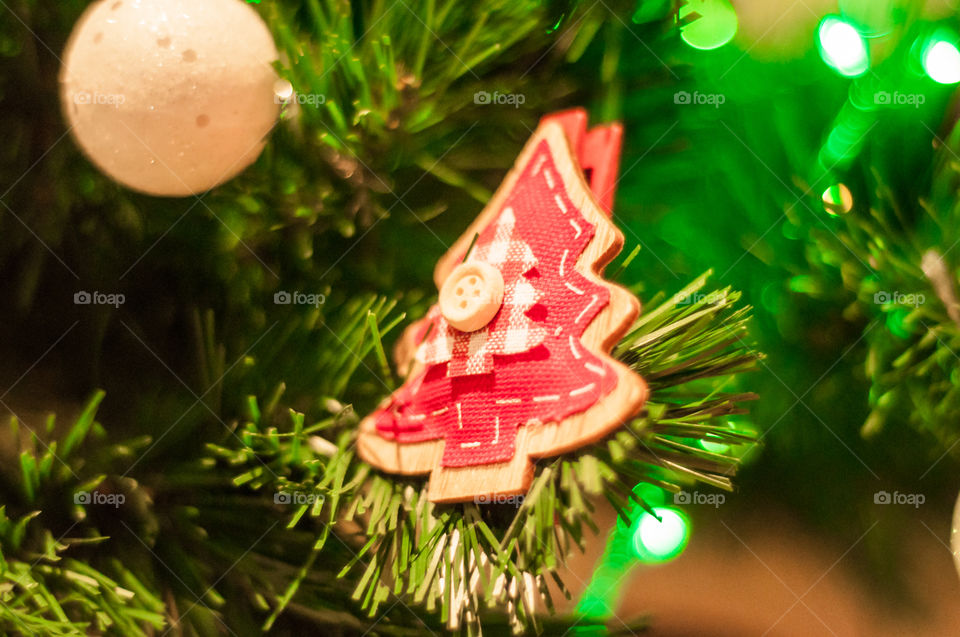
[[513, 362], [170, 97]]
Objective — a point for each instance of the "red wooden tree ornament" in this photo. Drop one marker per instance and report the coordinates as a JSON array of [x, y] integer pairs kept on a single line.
[[533, 376]]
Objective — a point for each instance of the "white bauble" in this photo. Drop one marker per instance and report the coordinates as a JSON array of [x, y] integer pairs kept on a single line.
[[170, 97]]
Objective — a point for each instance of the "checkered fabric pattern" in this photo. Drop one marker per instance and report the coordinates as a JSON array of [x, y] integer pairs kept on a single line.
[[511, 331]]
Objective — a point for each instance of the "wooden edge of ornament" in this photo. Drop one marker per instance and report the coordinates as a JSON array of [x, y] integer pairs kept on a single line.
[[536, 439]]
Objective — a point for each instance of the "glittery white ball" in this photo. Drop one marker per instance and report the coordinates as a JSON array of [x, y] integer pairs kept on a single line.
[[170, 97]]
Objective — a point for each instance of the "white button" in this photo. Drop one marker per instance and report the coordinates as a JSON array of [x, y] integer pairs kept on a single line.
[[471, 296]]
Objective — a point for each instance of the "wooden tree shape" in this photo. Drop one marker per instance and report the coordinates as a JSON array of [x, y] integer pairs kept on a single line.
[[477, 431]]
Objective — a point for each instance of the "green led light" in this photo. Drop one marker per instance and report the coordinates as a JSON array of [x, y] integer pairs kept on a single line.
[[842, 47], [718, 447], [941, 61], [715, 447], [712, 24], [661, 540], [650, 493]]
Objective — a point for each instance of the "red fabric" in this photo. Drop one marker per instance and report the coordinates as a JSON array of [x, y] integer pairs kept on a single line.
[[478, 413]]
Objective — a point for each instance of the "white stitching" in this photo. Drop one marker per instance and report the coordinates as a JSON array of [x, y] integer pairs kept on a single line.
[[560, 203], [593, 300], [573, 348], [543, 399], [578, 229], [571, 287], [596, 369], [549, 177], [539, 164], [583, 390]]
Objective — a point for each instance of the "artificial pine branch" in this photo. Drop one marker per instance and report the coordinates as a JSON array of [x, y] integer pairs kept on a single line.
[[43, 589], [901, 264]]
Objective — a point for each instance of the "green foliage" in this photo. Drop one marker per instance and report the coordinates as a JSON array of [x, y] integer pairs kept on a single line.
[[43, 590], [899, 262]]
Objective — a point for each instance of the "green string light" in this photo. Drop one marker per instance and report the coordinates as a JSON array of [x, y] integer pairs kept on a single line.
[[941, 59], [656, 541], [842, 47], [646, 541], [711, 23]]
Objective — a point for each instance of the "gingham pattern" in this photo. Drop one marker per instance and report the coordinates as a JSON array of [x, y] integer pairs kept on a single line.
[[511, 331]]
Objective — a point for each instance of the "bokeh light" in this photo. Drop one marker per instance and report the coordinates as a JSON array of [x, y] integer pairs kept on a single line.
[[837, 199], [717, 447], [716, 25], [941, 60], [661, 540], [842, 47]]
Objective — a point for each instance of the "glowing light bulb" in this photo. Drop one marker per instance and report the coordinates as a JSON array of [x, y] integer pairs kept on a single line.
[[714, 25], [660, 540], [842, 47], [941, 61]]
